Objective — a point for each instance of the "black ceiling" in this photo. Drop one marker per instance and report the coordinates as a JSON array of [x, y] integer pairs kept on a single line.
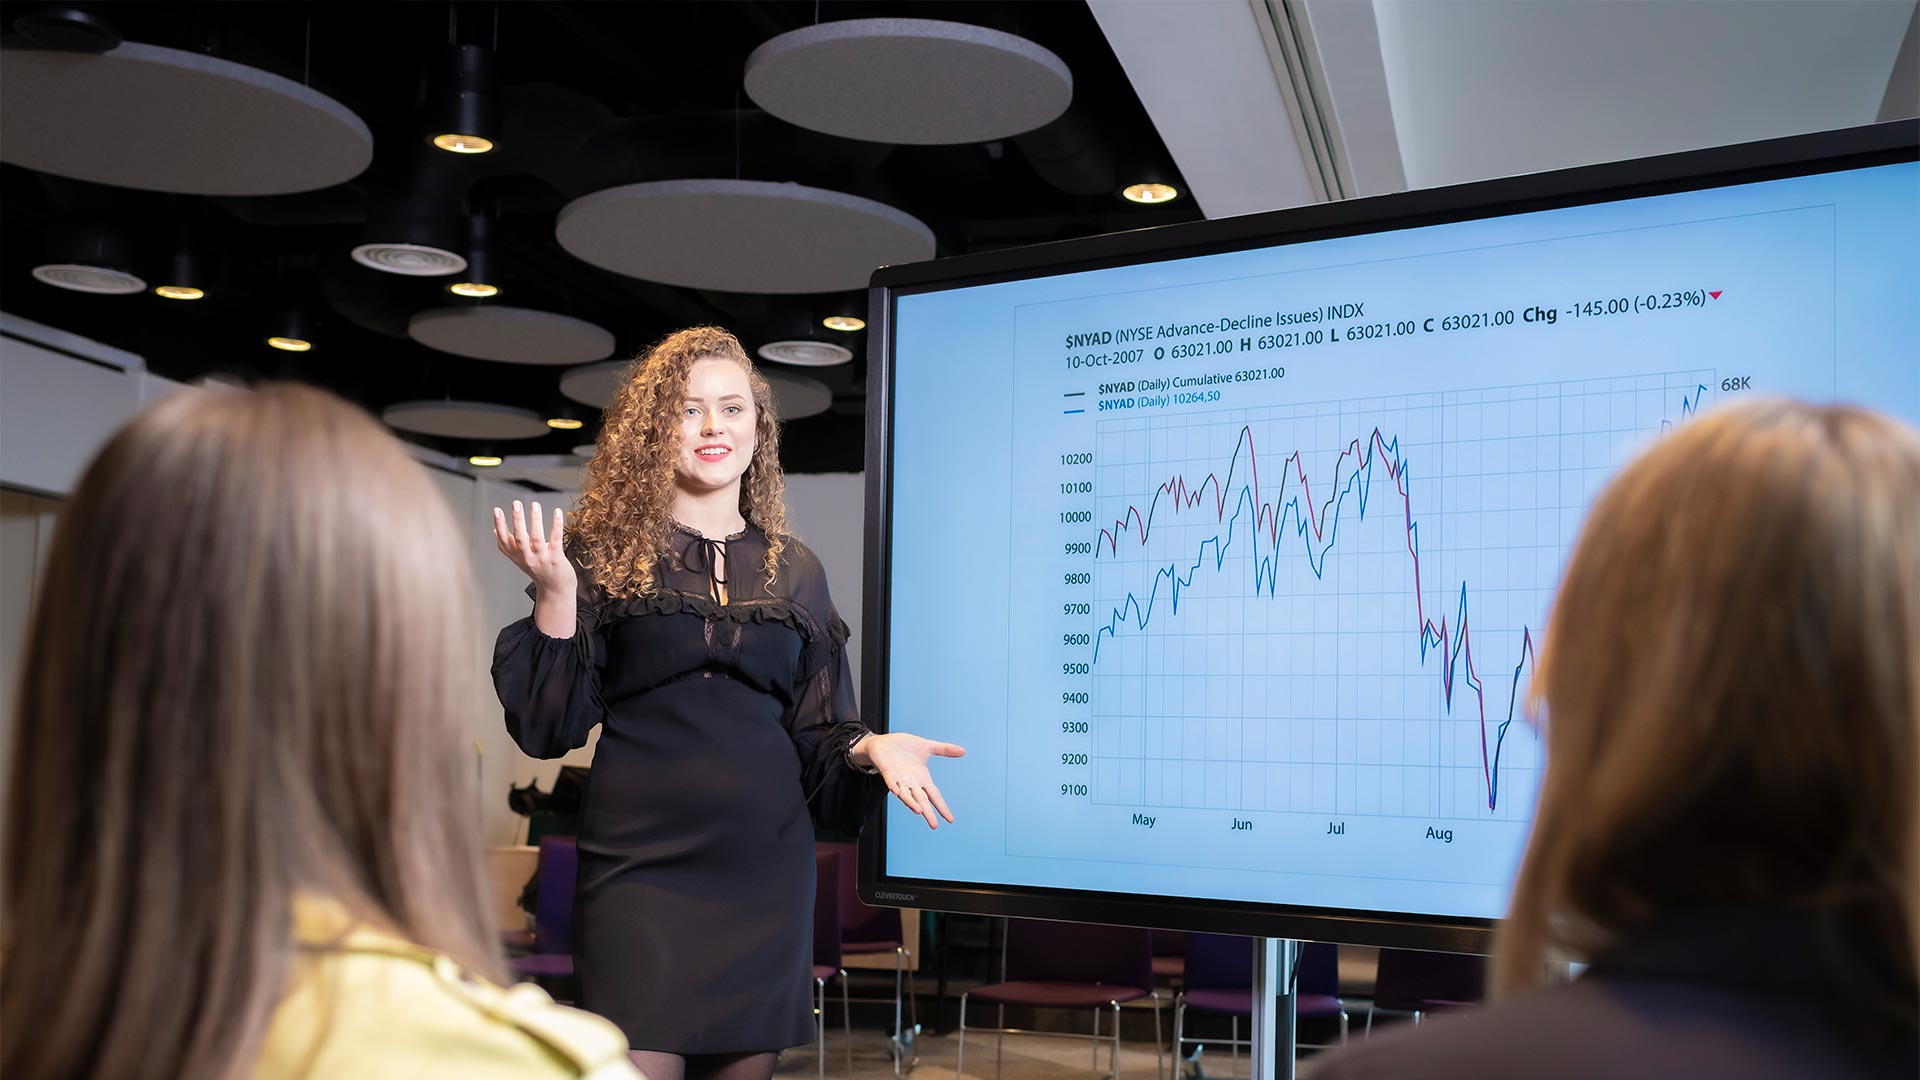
[[592, 95]]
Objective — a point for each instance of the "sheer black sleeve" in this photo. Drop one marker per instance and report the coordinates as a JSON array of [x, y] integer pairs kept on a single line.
[[824, 720], [550, 687]]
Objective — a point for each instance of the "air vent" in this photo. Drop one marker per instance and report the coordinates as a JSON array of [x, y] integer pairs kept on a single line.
[[413, 260], [805, 353], [89, 279]]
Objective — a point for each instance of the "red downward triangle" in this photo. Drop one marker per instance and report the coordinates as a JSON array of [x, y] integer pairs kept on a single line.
[[1716, 293]]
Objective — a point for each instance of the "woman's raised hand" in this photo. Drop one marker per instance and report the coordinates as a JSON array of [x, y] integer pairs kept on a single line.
[[540, 554]]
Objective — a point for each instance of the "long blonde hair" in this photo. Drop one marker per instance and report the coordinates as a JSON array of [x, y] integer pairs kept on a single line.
[[247, 678], [1731, 687], [626, 512]]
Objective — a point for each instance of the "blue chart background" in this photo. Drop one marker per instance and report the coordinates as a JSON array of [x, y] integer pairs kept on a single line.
[[1280, 704]]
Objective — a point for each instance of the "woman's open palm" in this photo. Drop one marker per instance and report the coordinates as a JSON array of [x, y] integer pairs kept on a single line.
[[540, 554]]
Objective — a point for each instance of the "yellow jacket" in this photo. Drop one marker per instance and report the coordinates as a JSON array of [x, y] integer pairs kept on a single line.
[[365, 1004]]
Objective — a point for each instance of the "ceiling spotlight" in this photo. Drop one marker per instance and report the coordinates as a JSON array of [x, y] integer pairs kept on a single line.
[[1150, 193], [846, 323], [465, 110], [481, 280], [485, 461], [565, 423], [463, 144], [287, 330], [183, 281]]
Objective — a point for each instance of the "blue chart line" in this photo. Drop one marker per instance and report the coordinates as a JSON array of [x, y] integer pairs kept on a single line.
[[1294, 514]]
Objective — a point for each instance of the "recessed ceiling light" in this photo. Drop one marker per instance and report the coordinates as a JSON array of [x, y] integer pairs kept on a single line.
[[413, 260], [1150, 193], [843, 322], [179, 292], [473, 288], [290, 344], [485, 461], [103, 280], [463, 144], [805, 353], [565, 423]]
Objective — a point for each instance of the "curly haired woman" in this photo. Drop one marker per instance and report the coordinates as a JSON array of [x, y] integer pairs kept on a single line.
[[683, 617]]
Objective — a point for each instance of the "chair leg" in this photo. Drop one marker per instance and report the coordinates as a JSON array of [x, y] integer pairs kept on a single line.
[[960, 1047], [899, 1046], [1179, 1033], [1343, 1027], [846, 1019], [1094, 1069], [913, 1009], [1159, 1062], [1115, 1056], [1369, 1030], [820, 1024], [1235, 1043]]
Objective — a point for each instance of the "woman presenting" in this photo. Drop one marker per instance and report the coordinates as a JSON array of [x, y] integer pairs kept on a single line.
[[697, 631]]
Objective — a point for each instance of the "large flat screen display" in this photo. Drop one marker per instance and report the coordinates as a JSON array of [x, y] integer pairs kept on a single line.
[[1227, 549]]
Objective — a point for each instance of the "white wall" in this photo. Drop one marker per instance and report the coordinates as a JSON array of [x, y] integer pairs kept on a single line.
[[56, 410], [826, 511]]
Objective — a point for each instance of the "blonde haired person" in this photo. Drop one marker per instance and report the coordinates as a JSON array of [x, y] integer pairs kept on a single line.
[[697, 633], [1730, 689], [239, 830]]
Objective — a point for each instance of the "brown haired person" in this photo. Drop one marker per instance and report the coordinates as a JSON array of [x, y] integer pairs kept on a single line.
[[697, 632], [239, 832], [1730, 692]]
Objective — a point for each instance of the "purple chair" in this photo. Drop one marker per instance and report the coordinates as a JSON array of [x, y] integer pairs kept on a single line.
[[826, 953], [1070, 966], [1169, 954], [551, 962], [870, 931], [1316, 987], [1219, 982], [1424, 982]]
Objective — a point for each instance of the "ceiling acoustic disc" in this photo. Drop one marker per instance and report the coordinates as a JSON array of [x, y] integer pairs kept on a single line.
[[594, 384], [465, 420], [562, 472], [157, 119], [746, 236], [511, 335], [920, 82], [796, 395]]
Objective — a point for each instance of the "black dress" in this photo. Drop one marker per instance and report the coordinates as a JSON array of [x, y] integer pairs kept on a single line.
[[723, 726]]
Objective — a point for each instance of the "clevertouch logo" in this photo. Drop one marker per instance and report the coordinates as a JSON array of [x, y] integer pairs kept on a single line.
[[906, 896]]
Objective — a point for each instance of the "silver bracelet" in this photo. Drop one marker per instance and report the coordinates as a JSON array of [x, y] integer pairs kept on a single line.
[[867, 769]]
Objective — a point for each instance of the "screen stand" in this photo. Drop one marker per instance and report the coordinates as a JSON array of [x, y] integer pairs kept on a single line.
[[1273, 1013]]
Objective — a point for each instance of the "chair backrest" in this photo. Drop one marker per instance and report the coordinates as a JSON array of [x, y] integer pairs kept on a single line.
[[1218, 962], [1319, 971], [861, 925], [826, 909], [1169, 942], [1411, 981], [1078, 952], [553, 906]]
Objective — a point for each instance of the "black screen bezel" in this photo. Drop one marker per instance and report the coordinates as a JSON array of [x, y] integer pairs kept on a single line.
[[1801, 155]]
